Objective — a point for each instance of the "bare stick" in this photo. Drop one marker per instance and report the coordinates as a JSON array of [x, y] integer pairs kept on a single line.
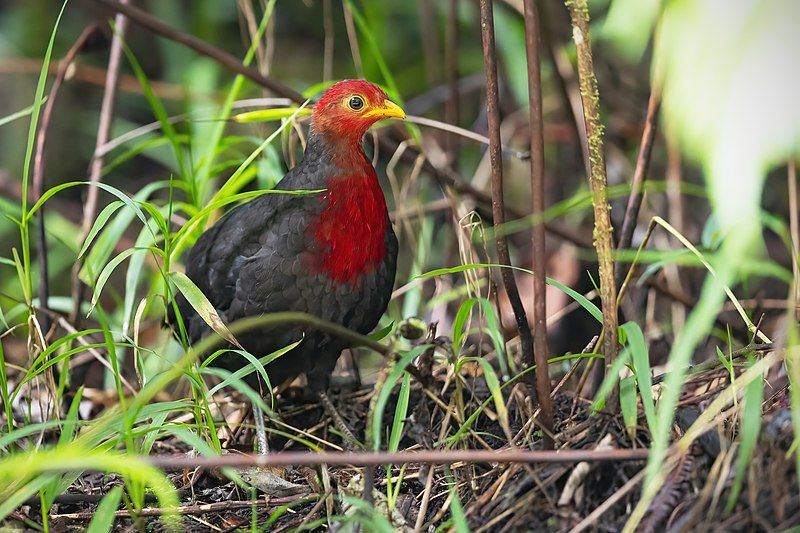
[[603, 230], [543, 387], [225, 59], [96, 168], [430, 457], [639, 176], [38, 165], [196, 509], [496, 160]]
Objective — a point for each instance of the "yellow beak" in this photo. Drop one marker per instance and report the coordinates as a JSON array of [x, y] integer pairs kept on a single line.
[[389, 110]]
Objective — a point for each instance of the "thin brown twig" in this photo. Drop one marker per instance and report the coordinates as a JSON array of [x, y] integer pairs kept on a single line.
[[496, 160], [39, 163], [603, 230], [352, 39], [592, 517], [96, 168], [429, 457], [543, 387], [565, 81], [93, 76], [462, 132], [201, 508], [451, 73], [328, 46], [639, 176], [229, 61]]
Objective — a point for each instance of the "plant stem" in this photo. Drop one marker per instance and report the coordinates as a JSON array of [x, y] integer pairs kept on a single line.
[[639, 177], [38, 165], [603, 230], [543, 388], [96, 167], [495, 158]]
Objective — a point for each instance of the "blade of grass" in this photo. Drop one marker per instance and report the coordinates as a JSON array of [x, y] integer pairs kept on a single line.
[[103, 519]]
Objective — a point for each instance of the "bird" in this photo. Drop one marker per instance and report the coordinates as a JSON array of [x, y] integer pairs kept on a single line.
[[332, 254]]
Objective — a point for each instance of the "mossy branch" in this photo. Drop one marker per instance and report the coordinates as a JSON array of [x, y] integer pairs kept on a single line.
[[603, 230]]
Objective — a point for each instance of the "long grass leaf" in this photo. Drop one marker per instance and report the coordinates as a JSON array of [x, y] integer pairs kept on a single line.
[[203, 306], [104, 516]]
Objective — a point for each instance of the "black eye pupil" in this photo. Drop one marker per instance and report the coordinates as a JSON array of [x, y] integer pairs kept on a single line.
[[356, 103]]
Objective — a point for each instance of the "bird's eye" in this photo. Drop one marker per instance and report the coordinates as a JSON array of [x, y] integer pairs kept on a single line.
[[355, 103]]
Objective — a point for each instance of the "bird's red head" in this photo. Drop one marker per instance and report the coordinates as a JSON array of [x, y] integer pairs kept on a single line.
[[348, 108]]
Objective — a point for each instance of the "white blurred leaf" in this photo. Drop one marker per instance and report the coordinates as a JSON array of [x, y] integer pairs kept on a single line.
[[729, 79]]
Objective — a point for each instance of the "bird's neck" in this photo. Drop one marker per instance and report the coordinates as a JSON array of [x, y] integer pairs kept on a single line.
[[342, 149], [351, 228]]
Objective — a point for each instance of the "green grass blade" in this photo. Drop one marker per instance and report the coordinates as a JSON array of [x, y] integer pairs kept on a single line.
[[386, 391], [103, 519], [203, 306], [750, 427]]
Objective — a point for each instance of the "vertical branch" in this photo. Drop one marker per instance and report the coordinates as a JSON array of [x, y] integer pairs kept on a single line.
[[532, 38], [430, 41], [565, 81], [451, 69], [603, 231], [38, 165], [327, 25], [352, 38], [794, 230], [639, 177], [495, 158], [96, 168]]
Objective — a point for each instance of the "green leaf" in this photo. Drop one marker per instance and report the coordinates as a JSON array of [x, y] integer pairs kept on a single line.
[[381, 333], [641, 369], [712, 62], [629, 405], [750, 427], [628, 26], [203, 306], [99, 224], [581, 299], [269, 115], [400, 413], [106, 273], [497, 396], [259, 365], [386, 391], [36, 106], [456, 510], [104, 515]]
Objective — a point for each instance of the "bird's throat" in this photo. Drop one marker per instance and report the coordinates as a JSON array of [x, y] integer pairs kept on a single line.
[[351, 230]]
